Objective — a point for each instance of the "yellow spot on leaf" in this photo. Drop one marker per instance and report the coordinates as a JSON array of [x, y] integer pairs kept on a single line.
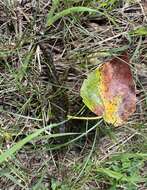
[[111, 111], [111, 105]]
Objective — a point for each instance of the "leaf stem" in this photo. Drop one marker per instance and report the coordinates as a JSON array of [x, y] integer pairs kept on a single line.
[[84, 118]]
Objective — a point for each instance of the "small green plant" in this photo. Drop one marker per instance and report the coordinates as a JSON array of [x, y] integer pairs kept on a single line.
[[124, 172], [56, 185]]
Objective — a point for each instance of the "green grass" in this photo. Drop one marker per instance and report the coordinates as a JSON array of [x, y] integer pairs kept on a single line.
[[35, 151]]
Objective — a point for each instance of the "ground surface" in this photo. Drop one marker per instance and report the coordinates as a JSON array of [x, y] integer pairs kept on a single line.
[[36, 91]]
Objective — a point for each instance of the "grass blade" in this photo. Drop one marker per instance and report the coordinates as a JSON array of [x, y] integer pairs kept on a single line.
[[51, 20], [119, 176], [11, 151]]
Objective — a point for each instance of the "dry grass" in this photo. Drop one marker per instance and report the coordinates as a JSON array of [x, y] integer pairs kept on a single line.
[[31, 97]]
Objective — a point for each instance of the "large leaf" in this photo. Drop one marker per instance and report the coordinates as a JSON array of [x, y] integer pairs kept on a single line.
[[109, 91]]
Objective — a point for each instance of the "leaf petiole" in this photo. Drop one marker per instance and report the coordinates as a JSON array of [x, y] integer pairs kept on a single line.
[[84, 118]]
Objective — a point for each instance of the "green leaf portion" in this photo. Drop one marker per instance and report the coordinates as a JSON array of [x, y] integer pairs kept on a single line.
[[89, 90]]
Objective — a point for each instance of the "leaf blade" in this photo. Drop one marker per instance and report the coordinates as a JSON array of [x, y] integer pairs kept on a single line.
[[111, 93]]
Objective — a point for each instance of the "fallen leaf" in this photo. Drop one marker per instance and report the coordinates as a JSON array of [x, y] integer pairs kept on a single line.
[[109, 91]]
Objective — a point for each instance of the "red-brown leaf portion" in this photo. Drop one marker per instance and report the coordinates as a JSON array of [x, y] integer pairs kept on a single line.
[[117, 81], [99, 110]]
